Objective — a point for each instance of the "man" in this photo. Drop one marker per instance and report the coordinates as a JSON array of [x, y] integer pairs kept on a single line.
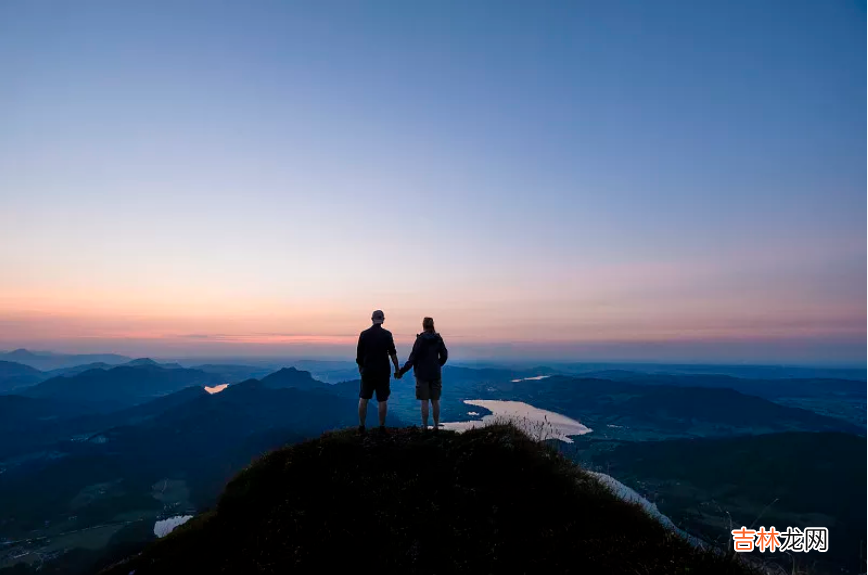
[[427, 358], [375, 347]]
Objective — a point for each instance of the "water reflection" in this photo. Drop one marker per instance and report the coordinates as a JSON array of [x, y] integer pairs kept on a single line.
[[165, 526], [538, 423], [534, 378]]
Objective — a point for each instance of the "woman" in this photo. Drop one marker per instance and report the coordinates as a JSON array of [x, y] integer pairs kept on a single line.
[[427, 358]]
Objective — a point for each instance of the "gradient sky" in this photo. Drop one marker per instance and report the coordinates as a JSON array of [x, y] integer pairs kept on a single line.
[[680, 181]]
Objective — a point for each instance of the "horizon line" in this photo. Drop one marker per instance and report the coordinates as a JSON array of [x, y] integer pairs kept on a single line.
[[539, 361]]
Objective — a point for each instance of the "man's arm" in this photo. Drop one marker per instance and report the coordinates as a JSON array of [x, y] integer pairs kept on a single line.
[[444, 353], [393, 353], [360, 353]]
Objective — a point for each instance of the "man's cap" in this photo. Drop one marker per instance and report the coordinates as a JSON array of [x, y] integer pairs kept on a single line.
[[378, 316]]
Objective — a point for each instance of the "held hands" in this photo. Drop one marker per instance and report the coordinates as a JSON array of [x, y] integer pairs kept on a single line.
[[398, 374]]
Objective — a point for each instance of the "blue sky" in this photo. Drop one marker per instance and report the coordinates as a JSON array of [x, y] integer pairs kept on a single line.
[[577, 175]]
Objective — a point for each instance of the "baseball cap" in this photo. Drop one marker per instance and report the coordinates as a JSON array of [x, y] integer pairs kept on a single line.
[[378, 316]]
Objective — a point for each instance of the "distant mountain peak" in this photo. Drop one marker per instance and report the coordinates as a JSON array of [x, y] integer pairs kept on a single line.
[[286, 370], [21, 353], [142, 361], [291, 377]]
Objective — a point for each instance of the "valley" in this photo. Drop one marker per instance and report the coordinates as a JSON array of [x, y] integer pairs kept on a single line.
[[90, 463]]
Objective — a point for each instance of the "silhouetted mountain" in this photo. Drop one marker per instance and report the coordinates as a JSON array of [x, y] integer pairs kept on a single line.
[[28, 424], [137, 413], [15, 410], [147, 361], [190, 437], [33, 424], [46, 360], [459, 383], [234, 373], [767, 388], [488, 501], [841, 398], [755, 372], [783, 479], [76, 369], [254, 405], [17, 375], [657, 411], [120, 386], [617, 409], [488, 375], [61, 451], [142, 361], [20, 354], [10, 368], [292, 377]]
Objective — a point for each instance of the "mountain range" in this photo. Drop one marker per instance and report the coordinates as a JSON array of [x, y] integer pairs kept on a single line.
[[107, 450], [122, 386], [47, 360]]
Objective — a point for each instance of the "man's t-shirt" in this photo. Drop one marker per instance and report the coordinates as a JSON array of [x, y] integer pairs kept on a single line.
[[372, 353]]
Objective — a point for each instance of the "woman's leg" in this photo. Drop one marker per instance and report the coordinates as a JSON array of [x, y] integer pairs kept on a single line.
[[424, 403]]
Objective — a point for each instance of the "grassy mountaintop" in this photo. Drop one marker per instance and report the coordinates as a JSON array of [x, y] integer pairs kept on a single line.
[[486, 501]]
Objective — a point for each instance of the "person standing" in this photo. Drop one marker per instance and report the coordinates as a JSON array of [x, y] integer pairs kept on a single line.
[[427, 358], [373, 351]]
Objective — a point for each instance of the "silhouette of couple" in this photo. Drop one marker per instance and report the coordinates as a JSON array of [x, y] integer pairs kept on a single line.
[[376, 346]]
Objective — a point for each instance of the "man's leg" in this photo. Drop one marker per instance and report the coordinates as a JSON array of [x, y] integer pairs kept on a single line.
[[363, 411], [382, 408], [424, 404], [435, 403]]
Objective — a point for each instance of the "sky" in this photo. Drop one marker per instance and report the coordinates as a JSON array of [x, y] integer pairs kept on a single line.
[[678, 181]]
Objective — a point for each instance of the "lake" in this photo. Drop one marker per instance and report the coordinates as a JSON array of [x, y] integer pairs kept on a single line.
[[538, 423], [165, 526]]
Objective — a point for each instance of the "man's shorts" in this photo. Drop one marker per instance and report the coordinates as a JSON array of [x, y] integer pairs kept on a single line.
[[369, 385], [428, 389]]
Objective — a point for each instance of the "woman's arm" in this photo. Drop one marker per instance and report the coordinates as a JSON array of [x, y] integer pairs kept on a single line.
[[443, 352], [411, 361]]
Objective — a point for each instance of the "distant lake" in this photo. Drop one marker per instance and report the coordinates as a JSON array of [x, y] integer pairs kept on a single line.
[[216, 388], [538, 423], [165, 526]]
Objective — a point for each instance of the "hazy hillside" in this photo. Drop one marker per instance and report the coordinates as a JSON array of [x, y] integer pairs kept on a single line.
[[618, 409], [76, 369], [30, 424], [231, 373], [760, 372], [86, 468], [17, 375], [836, 397], [121, 386], [781, 479], [47, 360], [292, 377], [488, 501], [111, 477]]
